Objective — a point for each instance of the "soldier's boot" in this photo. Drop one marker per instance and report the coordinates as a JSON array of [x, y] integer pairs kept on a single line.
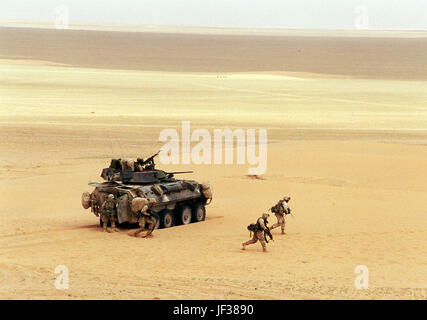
[[283, 231], [113, 226], [139, 232], [133, 233], [109, 229], [264, 246], [244, 246], [104, 226]]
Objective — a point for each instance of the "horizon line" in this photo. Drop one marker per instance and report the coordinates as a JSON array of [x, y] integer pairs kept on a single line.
[[134, 27]]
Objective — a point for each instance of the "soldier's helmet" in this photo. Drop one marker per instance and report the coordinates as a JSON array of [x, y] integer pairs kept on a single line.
[[111, 196], [140, 160], [286, 198], [265, 215]]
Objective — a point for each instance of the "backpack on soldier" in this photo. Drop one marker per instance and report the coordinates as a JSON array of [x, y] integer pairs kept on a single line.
[[277, 207], [253, 227]]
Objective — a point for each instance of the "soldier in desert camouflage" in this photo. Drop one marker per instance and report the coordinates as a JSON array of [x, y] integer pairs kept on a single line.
[[280, 210], [108, 214], [259, 229], [145, 218]]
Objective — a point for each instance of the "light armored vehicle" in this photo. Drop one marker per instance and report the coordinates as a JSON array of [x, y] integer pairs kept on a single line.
[[135, 183]]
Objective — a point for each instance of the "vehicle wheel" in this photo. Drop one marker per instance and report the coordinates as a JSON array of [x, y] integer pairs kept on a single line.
[[184, 215], [168, 220], [199, 212]]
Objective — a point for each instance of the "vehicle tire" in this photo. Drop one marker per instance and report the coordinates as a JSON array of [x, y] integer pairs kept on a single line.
[[168, 219], [184, 215], [199, 212]]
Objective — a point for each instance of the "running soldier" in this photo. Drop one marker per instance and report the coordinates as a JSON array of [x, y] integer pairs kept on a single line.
[[259, 229], [280, 210]]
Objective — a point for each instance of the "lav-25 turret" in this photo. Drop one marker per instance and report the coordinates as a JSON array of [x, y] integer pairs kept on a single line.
[[133, 182]]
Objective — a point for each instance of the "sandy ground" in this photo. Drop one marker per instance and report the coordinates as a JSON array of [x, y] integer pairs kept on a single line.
[[348, 146], [372, 55]]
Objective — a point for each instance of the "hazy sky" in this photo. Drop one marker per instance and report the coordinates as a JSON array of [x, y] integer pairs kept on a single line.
[[327, 14]]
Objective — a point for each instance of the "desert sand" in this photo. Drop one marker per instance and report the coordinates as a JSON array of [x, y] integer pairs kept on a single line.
[[347, 140]]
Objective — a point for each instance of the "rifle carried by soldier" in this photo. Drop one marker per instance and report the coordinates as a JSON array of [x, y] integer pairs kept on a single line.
[[267, 232], [157, 219]]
